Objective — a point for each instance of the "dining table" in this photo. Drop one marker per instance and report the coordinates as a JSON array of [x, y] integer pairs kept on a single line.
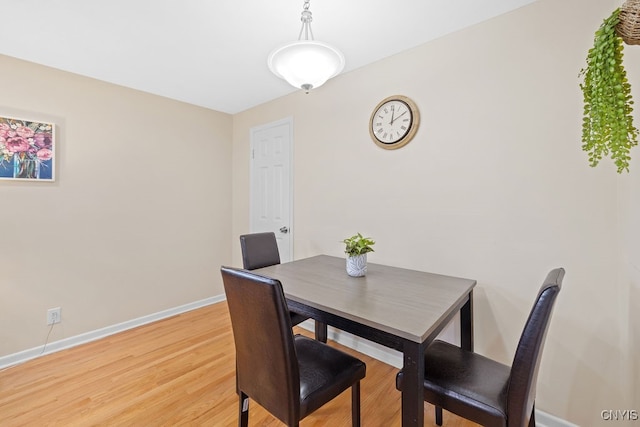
[[400, 308]]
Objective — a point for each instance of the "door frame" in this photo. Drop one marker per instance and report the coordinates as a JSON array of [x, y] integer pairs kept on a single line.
[[252, 143]]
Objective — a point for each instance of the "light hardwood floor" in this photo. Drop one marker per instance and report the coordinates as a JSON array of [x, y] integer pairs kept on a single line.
[[174, 372]]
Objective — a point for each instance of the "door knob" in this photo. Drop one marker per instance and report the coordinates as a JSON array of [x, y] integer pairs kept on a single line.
[[284, 230]]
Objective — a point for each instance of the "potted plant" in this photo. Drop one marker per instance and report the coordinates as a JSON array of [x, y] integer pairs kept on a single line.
[[356, 248], [607, 126]]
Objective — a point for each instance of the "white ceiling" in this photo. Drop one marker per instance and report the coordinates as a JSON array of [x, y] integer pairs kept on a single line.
[[212, 53]]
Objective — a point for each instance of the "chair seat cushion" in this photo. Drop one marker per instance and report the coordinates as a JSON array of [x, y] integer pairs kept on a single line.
[[325, 372], [465, 383]]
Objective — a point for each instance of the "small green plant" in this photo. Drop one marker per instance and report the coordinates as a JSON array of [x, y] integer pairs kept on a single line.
[[358, 245], [607, 126]]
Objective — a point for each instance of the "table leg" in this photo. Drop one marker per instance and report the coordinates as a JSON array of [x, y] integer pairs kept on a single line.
[[321, 331], [413, 385], [466, 324]]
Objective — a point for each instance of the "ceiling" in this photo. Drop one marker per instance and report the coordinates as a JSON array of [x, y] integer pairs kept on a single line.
[[212, 53]]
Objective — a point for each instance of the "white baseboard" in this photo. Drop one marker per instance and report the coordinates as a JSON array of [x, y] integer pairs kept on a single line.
[[32, 353], [547, 420]]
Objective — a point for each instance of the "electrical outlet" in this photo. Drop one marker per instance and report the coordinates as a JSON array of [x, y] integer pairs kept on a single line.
[[54, 315]]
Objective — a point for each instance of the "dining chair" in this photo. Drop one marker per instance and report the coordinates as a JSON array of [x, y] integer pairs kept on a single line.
[[261, 250], [483, 390], [290, 376]]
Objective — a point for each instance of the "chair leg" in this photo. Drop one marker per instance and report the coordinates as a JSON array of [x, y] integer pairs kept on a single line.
[[355, 404], [321, 331], [439, 415], [532, 419], [243, 410]]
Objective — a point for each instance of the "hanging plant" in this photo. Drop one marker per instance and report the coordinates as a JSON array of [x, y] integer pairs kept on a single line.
[[607, 126]]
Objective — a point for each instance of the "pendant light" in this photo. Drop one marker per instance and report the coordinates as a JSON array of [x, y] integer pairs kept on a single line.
[[306, 63]]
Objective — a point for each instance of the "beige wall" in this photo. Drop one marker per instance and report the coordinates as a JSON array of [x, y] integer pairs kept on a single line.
[[494, 187], [630, 262], [137, 220]]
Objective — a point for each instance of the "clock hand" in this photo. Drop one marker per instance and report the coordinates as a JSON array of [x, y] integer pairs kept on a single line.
[[393, 112], [401, 115]]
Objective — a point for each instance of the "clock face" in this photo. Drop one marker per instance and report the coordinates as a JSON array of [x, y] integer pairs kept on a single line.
[[394, 122]]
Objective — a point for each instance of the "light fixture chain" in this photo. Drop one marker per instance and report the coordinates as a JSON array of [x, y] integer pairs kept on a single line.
[[306, 18]]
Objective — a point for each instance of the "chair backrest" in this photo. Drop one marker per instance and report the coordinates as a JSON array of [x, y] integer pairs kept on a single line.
[[259, 250], [266, 362], [524, 369]]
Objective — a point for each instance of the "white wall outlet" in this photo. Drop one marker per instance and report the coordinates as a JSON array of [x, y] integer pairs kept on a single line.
[[54, 315]]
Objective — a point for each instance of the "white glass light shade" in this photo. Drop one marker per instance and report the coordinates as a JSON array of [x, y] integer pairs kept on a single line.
[[306, 64]]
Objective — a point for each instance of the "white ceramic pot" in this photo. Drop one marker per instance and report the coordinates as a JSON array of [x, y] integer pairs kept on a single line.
[[357, 265]]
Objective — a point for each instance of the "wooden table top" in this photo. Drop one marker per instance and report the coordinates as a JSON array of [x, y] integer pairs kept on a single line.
[[406, 303]]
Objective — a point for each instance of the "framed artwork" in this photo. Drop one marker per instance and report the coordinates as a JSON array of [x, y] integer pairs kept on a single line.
[[27, 150]]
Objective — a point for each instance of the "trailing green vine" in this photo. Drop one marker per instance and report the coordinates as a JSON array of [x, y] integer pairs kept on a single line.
[[607, 126]]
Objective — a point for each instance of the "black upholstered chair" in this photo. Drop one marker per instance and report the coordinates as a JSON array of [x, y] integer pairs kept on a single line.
[[483, 390], [261, 250], [290, 376]]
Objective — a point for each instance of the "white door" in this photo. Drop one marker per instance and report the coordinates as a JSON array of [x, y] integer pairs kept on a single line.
[[271, 183]]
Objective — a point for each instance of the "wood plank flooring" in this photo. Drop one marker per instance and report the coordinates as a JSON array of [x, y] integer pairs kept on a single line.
[[174, 372]]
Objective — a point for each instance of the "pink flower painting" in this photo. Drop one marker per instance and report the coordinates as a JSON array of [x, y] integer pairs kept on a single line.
[[26, 150]]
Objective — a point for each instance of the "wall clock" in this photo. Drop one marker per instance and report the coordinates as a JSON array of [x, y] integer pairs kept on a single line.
[[394, 122]]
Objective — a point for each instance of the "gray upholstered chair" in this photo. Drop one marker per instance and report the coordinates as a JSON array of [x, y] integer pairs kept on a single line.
[[483, 390], [261, 250], [290, 376]]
